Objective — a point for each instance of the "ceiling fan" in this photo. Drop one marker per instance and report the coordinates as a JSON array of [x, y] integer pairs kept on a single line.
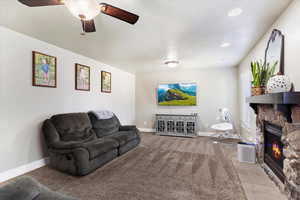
[[86, 11]]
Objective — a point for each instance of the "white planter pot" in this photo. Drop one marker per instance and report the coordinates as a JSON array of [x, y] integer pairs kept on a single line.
[[279, 83]]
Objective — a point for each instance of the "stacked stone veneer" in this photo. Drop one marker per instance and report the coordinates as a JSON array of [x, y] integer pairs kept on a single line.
[[290, 139]]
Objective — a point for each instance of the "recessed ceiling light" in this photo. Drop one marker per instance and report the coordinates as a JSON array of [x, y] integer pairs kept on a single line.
[[235, 12], [225, 44], [172, 63]]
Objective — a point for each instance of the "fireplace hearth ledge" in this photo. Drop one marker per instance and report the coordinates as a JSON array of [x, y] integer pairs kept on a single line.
[[282, 109], [273, 177]]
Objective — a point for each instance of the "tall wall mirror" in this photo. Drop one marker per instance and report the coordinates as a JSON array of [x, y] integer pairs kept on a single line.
[[275, 51]]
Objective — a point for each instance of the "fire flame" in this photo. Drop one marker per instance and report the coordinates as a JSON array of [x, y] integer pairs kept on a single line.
[[276, 151]]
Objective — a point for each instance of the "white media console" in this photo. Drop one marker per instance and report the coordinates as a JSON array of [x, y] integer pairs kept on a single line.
[[177, 125]]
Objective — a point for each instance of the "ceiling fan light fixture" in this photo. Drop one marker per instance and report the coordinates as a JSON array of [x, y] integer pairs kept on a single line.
[[172, 63], [83, 9]]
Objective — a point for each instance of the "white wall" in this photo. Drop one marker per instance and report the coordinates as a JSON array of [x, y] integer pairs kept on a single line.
[[288, 23], [217, 88], [24, 107]]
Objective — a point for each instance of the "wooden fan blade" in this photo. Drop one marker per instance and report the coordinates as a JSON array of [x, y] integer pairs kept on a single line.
[[119, 13], [37, 3], [88, 26]]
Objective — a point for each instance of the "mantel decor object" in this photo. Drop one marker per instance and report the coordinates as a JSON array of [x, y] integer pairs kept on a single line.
[[279, 83], [261, 73], [275, 54], [255, 91], [275, 51], [273, 64]]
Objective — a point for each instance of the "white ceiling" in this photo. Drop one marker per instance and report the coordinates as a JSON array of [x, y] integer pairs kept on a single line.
[[190, 31]]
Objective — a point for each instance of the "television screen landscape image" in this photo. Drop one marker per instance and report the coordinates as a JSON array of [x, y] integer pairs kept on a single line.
[[178, 94]]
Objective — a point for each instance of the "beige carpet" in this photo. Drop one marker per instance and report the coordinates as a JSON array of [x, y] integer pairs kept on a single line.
[[161, 168]]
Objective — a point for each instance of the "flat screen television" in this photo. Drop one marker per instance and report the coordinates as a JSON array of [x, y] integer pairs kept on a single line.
[[177, 94]]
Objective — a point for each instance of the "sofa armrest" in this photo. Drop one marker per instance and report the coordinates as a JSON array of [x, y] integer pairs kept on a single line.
[[127, 128], [75, 161], [130, 128]]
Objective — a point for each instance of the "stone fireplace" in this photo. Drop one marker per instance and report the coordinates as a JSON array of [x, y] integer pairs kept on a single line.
[[278, 139]]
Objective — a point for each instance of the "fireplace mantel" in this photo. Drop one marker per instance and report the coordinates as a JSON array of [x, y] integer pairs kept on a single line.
[[281, 101]]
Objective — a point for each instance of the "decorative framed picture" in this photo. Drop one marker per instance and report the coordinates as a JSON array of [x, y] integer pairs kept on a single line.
[[43, 70], [105, 82], [82, 77]]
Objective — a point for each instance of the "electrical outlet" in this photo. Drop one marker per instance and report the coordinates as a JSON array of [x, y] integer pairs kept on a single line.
[[145, 123]]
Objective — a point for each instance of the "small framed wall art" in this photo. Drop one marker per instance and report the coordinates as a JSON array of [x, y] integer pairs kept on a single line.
[[82, 77], [43, 70], [105, 82]]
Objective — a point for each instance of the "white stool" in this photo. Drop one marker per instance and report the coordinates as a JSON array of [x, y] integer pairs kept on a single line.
[[223, 130]]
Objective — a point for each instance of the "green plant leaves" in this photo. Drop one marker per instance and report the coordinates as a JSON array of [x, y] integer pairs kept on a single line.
[[261, 73]]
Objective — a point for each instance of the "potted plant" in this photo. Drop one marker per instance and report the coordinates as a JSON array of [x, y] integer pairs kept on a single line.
[[261, 73]]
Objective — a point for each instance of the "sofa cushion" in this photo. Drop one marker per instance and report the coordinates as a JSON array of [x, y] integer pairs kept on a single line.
[[123, 137], [104, 127], [73, 126], [101, 146]]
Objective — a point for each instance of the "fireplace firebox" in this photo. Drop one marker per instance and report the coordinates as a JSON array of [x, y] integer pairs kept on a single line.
[[273, 149]]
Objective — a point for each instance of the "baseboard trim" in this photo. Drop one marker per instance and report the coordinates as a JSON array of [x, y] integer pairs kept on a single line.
[[148, 130], [12, 173]]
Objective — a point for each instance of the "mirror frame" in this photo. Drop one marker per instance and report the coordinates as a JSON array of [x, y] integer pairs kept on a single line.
[[277, 33]]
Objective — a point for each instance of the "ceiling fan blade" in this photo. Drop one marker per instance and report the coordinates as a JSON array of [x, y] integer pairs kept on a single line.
[[119, 13], [37, 3], [88, 26]]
